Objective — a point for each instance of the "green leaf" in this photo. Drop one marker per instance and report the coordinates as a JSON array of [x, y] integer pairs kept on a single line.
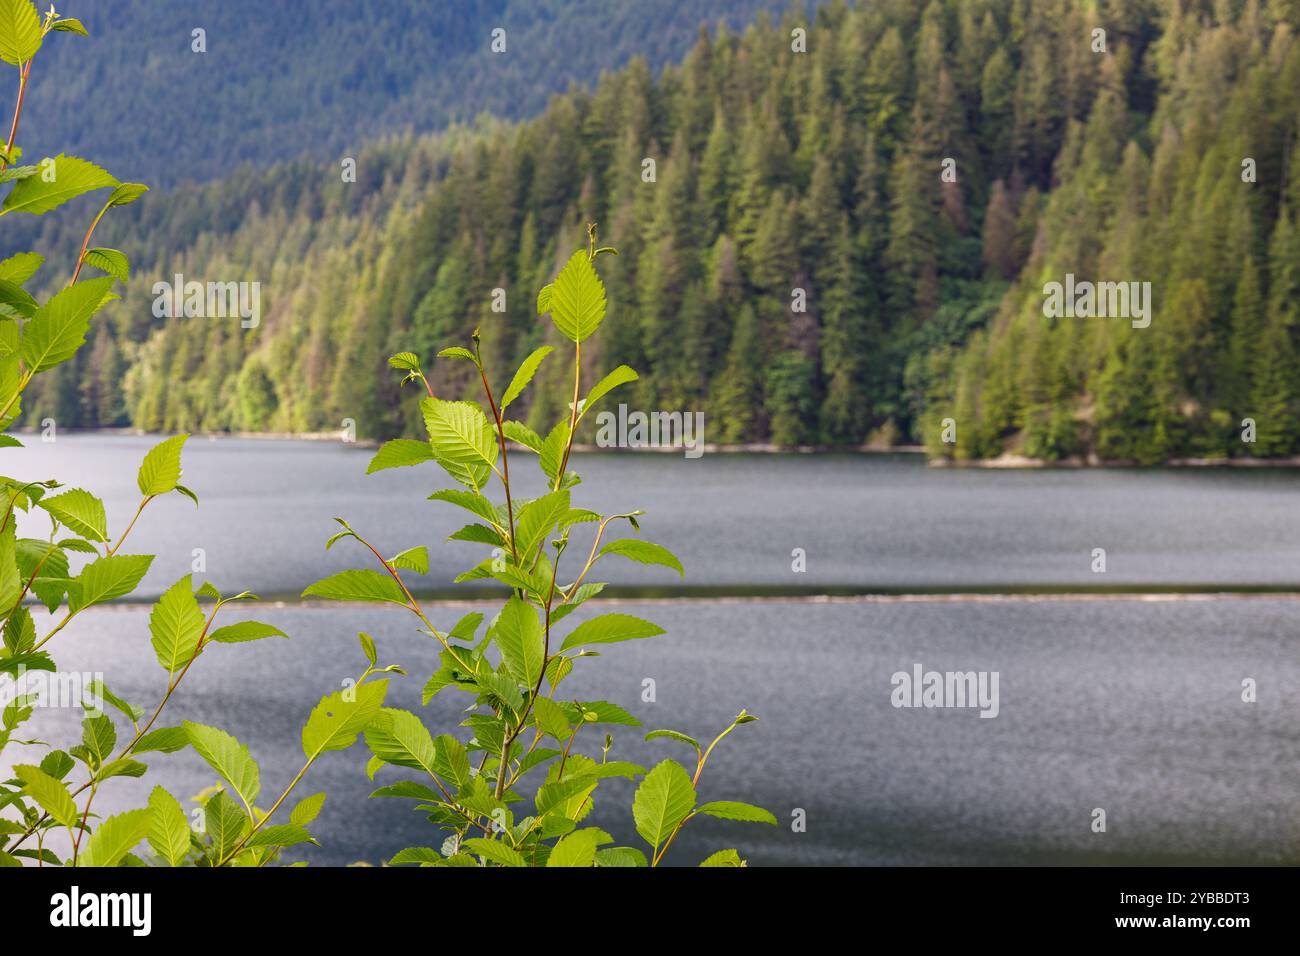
[[99, 689], [57, 763], [551, 718], [176, 624], [73, 177], [521, 433], [525, 375], [493, 851], [566, 797], [245, 631], [734, 810], [226, 824], [466, 627], [166, 740], [470, 501], [283, 834], [724, 858], [20, 31], [456, 351], [518, 633], [99, 737], [71, 25], [674, 735], [400, 453], [335, 722], [169, 830], [415, 854], [544, 298], [503, 688], [620, 856], [13, 173], [452, 760], [50, 793], [618, 768], [578, 849], [577, 300], [59, 327], [361, 585], [405, 361], [228, 757], [462, 440], [80, 511], [398, 737], [11, 585], [307, 809], [112, 261], [552, 450], [21, 266], [160, 472], [601, 712], [610, 629], [368, 647], [20, 301], [479, 533], [126, 193], [536, 519], [122, 767], [620, 376], [107, 578], [644, 552], [413, 559], [115, 838], [662, 801]]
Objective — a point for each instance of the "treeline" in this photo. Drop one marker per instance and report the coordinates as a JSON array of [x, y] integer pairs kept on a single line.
[[832, 246]]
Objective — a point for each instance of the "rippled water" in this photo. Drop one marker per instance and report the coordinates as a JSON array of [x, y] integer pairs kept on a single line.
[[1127, 705]]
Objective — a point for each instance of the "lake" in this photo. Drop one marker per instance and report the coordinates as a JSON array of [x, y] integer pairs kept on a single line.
[[1132, 705]]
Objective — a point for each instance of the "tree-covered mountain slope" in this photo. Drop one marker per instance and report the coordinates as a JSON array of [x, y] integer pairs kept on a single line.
[[1199, 198], [843, 234], [268, 82]]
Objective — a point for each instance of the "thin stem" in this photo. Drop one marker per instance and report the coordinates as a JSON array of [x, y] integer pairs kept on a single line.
[[134, 519], [173, 683], [573, 413], [699, 769], [505, 457], [81, 256], [537, 688], [411, 604], [18, 112]]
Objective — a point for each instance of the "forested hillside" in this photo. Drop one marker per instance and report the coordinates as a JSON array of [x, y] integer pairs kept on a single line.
[[799, 266], [1200, 198], [274, 81]]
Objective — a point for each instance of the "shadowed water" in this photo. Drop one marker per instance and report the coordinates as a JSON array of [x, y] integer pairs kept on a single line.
[[887, 522], [1130, 706], [1127, 705]]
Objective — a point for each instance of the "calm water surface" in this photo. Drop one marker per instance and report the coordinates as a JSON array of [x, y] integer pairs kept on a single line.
[[1128, 705]]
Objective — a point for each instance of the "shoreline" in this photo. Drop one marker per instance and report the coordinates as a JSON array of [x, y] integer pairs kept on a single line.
[[1023, 462], [1148, 597], [1002, 462]]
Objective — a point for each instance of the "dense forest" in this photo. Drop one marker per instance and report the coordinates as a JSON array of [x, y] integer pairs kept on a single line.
[[268, 82], [844, 237]]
